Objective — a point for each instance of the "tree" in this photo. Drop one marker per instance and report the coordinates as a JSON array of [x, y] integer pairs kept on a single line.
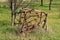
[[50, 4], [13, 9], [14, 4], [41, 2]]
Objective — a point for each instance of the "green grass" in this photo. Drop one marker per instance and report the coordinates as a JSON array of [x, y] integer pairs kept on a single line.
[[8, 32]]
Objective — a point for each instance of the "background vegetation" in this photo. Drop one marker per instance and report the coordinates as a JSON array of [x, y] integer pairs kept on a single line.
[[8, 32]]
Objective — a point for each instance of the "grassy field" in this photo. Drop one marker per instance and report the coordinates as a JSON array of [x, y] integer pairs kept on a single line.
[[8, 32]]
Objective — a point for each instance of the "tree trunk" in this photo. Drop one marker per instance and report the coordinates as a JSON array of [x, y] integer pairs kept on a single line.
[[50, 4], [41, 2], [13, 9]]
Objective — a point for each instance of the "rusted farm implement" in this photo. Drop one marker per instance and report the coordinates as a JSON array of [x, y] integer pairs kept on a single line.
[[29, 19]]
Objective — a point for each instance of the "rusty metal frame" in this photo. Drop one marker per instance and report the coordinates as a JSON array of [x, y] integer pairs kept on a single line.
[[25, 26]]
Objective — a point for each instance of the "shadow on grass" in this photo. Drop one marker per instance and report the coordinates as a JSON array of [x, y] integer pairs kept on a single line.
[[12, 31], [5, 23], [5, 26]]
